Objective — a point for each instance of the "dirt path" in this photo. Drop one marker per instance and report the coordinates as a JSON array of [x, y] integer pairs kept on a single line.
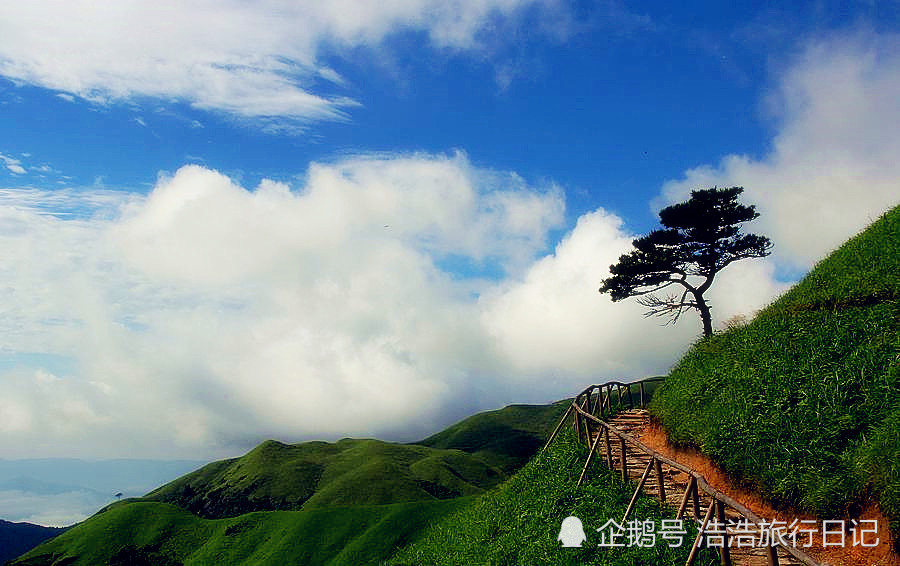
[[654, 437]]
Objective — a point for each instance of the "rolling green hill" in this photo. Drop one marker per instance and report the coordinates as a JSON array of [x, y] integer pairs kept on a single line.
[[276, 476], [812, 384], [515, 523], [349, 502], [506, 438], [144, 533]]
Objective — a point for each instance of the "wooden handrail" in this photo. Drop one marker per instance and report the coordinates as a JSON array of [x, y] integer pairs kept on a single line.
[[587, 413]]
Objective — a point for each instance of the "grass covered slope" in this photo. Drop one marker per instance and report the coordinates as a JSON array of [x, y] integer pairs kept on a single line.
[[470, 456], [506, 438], [138, 533], [804, 401], [519, 521], [349, 502], [276, 476], [515, 523]]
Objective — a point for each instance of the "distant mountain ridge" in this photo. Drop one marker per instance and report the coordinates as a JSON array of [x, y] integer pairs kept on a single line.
[[16, 538], [104, 476], [63, 491], [32, 485]]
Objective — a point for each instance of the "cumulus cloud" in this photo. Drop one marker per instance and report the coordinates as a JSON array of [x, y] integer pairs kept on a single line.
[[206, 315], [554, 321], [248, 59], [387, 295], [833, 165], [832, 170]]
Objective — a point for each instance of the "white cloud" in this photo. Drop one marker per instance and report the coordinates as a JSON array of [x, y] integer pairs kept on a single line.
[[52, 510], [554, 321], [205, 316], [832, 170], [249, 59], [13, 165], [833, 166]]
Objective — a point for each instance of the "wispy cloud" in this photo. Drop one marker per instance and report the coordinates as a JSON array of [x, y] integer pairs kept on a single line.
[[833, 166], [259, 61], [12, 164]]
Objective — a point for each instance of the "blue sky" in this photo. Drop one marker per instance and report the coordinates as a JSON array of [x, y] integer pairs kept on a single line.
[[628, 98], [223, 221]]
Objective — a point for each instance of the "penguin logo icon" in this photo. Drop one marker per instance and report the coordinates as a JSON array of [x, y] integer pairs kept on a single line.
[[571, 533]]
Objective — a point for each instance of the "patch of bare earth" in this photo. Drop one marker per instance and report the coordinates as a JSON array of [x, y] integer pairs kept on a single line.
[[655, 437]]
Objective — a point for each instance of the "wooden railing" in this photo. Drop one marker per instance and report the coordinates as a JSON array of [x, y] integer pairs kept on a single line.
[[596, 403]]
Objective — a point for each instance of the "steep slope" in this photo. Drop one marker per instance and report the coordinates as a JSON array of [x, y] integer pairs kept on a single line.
[[812, 385], [519, 521]]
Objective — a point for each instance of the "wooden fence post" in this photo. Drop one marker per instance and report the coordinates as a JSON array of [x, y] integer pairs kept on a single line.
[[609, 458], [692, 485], [577, 421], [724, 551], [558, 428], [696, 500], [660, 479], [696, 547], [638, 490], [589, 458]]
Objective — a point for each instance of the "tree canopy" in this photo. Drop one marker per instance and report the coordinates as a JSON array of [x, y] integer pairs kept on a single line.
[[701, 236]]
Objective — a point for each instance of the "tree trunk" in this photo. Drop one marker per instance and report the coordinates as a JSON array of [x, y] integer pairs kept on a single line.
[[705, 315]]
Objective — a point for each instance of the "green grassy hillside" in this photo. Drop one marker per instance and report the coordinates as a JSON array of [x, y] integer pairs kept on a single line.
[[518, 522], [506, 438], [276, 476], [812, 384], [515, 523], [349, 502], [138, 533]]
